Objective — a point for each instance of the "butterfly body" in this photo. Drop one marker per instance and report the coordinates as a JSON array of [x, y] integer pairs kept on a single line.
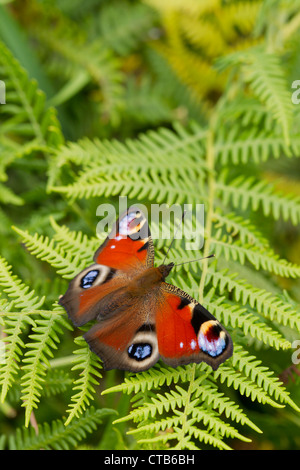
[[149, 279], [140, 317]]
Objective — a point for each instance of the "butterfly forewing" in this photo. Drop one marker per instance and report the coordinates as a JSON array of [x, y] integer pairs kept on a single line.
[[129, 244], [127, 250]]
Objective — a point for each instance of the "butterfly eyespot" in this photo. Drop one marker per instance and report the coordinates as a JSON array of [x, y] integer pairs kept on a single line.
[[132, 225], [211, 339], [140, 351], [124, 225], [89, 279]]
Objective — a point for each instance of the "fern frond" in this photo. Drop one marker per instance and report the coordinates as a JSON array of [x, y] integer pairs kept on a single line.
[[135, 156], [212, 397], [55, 436], [57, 381], [7, 196], [36, 359], [191, 7], [246, 387], [184, 442], [246, 192], [67, 264], [14, 326], [26, 113], [89, 365], [188, 66], [247, 113], [94, 61], [180, 404], [264, 377], [209, 418], [259, 257], [22, 296], [264, 302], [264, 74], [206, 437], [74, 242], [237, 19], [203, 34], [236, 316], [239, 227], [142, 186], [123, 37], [153, 378], [234, 146]]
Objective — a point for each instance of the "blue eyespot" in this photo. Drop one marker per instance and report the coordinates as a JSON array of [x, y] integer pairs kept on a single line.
[[89, 279], [213, 346], [140, 351]]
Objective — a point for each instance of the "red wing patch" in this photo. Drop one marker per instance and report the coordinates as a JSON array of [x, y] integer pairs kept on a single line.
[[175, 334], [129, 245], [187, 332], [122, 253]]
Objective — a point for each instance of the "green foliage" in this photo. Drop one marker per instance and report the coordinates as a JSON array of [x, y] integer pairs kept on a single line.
[[55, 436], [179, 103]]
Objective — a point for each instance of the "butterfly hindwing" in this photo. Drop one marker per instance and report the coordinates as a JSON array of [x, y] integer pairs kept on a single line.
[[187, 332], [172, 325], [124, 341]]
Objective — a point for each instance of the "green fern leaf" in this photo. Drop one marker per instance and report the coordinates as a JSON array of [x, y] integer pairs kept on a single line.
[[264, 74], [245, 192], [15, 325], [36, 359], [55, 436], [89, 364], [263, 301], [22, 296], [67, 264], [26, 113]]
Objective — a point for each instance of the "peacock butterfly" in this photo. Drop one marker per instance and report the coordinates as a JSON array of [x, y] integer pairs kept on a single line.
[[140, 317]]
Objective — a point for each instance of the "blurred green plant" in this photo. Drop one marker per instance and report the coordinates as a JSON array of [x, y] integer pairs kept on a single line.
[[179, 102]]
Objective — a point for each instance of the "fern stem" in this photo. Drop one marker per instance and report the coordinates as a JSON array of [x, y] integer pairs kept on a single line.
[[61, 361], [210, 211], [182, 434], [209, 224]]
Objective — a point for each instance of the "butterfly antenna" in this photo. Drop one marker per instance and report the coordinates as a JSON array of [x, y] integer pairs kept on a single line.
[[192, 260], [184, 212]]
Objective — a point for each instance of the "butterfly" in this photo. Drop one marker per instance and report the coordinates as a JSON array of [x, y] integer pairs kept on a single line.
[[140, 318]]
